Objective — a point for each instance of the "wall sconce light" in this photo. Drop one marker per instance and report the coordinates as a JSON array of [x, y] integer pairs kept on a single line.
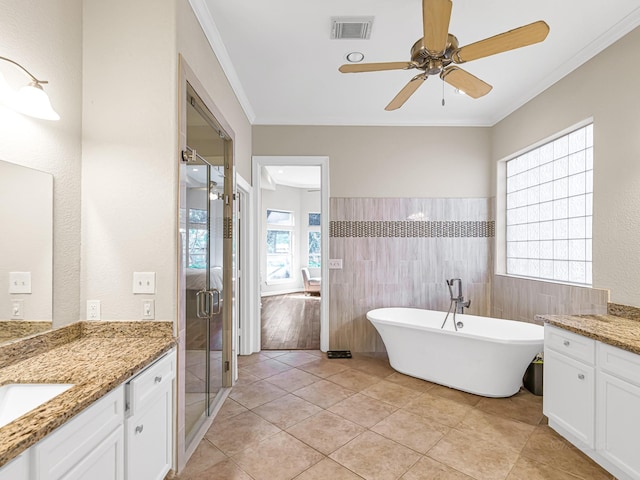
[[31, 99]]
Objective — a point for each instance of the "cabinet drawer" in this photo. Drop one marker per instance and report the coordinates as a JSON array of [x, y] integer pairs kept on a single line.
[[575, 346], [148, 383], [618, 362]]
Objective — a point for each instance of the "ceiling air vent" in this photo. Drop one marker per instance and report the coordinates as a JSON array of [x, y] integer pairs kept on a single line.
[[351, 27]]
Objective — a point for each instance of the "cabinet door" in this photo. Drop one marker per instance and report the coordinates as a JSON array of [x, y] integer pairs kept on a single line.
[[569, 395], [104, 462], [619, 423], [16, 469], [149, 439]]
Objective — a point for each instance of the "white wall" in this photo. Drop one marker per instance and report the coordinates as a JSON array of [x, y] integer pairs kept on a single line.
[[130, 154], [46, 38], [390, 161], [605, 88]]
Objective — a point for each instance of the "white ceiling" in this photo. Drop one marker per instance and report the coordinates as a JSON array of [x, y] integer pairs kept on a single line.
[[283, 66], [295, 175]]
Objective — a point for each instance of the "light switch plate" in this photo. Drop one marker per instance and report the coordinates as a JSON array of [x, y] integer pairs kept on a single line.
[[144, 282], [148, 309], [335, 263], [19, 282]]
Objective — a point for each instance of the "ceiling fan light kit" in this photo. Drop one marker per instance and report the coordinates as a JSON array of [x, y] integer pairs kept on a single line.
[[438, 49]]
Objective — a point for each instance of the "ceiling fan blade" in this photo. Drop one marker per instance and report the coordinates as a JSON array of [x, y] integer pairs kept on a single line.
[[519, 37], [375, 67], [464, 81], [404, 94], [436, 15]]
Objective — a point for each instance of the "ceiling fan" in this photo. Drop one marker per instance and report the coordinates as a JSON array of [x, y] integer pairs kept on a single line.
[[437, 50]]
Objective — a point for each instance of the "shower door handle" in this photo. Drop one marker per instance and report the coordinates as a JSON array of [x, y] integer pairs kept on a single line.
[[202, 305], [217, 294]]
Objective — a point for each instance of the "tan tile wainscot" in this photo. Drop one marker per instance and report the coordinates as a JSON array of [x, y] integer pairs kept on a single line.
[[94, 356]]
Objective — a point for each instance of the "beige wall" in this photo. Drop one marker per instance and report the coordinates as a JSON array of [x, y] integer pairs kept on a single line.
[[390, 161], [129, 170], [46, 37], [605, 88]]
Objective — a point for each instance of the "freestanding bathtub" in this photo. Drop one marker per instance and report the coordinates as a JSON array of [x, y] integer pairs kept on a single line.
[[487, 356]]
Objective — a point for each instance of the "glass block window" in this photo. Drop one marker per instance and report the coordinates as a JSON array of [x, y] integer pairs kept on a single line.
[[549, 209]]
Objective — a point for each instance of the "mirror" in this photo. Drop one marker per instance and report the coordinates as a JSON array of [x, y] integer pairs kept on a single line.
[[26, 251]]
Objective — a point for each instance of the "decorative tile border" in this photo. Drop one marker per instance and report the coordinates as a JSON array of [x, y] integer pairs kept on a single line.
[[412, 229]]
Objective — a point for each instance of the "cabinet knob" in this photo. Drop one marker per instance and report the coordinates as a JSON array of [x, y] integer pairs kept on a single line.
[[139, 428], [158, 379], [581, 376], [566, 343]]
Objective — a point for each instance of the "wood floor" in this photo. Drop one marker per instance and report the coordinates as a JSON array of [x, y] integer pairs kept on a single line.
[[290, 322]]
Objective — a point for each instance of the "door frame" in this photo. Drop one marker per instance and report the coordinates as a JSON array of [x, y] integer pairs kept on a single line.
[[259, 161], [246, 248]]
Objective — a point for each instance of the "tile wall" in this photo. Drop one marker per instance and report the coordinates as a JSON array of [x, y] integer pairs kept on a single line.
[[522, 299], [399, 252]]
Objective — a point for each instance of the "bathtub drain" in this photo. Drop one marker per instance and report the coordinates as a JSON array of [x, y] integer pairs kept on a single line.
[[459, 324]]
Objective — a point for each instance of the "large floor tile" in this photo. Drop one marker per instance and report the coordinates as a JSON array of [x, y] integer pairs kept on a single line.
[[482, 461], [547, 447], [363, 410], [292, 379], [256, 394], [457, 395], [225, 470], [417, 433], [379, 368], [280, 457], [391, 393], [527, 469], [326, 431], [324, 393], [206, 456], [237, 433], [374, 457], [323, 367], [411, 382], [230, 408], [286, 411], [442, 410], [522, 407], [354, 379], [327, 469], [265, 369], [296, 359], [485, 427], [428, 469]]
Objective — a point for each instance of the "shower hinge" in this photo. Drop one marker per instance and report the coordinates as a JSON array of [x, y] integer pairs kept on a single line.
[[226, 199], [226, 366]]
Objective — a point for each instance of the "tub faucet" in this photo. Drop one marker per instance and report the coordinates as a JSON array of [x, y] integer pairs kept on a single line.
[[457, 304], [457, 299]]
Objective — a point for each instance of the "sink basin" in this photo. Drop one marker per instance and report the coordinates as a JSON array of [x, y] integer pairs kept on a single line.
[[16, 399]]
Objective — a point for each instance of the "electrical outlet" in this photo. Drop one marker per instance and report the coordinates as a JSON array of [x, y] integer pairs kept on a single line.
[[93, 309], [17, 309], [148, 310], [335, 263]]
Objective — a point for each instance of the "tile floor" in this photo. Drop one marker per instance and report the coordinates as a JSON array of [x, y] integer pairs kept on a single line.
[[298, 415]]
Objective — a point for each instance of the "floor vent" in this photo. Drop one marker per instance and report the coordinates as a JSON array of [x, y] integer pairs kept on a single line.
[[351, 27]]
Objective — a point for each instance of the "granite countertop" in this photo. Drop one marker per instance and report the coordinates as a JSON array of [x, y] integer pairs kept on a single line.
[[94, 356], [618, 331]]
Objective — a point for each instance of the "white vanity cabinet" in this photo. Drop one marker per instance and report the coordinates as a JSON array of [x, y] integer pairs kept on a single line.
[[592, 398], [569, 383], [91, 445], [148, 423], [125, 435], [18, 468]]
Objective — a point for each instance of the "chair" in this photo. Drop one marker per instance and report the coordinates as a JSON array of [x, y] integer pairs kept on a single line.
[[311, 284]]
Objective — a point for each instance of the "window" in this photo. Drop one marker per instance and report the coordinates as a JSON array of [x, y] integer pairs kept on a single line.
[[314, 219], [279, 245], [549, 210], [314, 250], [198, 238]]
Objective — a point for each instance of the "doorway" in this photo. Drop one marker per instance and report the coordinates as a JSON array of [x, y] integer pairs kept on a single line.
[[291, 197], [207, 266]]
